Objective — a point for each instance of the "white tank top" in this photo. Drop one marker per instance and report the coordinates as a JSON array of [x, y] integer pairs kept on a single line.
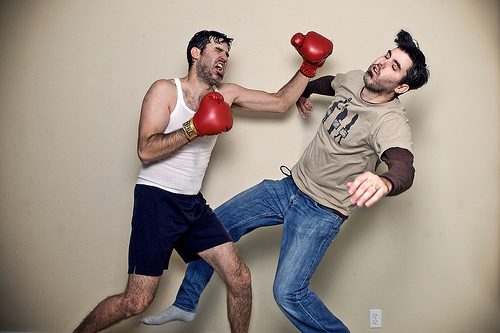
[[183, 171]]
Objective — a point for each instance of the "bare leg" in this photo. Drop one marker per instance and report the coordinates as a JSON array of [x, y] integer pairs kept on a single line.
[[230, 266], [137, 297]]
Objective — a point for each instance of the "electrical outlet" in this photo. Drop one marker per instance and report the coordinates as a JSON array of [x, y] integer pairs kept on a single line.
[[375, 318]]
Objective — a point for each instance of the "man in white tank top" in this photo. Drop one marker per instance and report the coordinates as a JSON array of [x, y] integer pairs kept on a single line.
[[179, 123]]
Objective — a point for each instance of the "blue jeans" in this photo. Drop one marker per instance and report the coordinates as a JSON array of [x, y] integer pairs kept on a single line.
[[308, 230]]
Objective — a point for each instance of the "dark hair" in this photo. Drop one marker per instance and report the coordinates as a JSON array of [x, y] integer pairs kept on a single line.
[[418, 74], [202, 38]]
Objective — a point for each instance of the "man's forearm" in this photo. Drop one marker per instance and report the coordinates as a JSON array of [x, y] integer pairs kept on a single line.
[[159, 146], [292, 90]]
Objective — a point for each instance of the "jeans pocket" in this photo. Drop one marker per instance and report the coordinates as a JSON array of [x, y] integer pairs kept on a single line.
[[329, 215]]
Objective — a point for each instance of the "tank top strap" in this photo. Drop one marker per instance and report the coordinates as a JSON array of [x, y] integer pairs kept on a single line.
[[180, 96]]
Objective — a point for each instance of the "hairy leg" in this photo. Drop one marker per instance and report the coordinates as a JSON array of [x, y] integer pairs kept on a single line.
[[230, 266], [135, 299]]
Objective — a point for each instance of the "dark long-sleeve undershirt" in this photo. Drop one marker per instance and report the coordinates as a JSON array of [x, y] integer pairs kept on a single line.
[[320, 86], [400, 169]]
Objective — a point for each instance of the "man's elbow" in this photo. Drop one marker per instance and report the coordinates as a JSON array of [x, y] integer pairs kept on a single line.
[[144, 157], [411, 176], [282, 107]]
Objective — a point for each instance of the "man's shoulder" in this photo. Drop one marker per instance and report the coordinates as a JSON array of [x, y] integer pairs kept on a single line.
[[163, 86], [350, 78], [225, 86], [162, 89], [354, 74], [164, 83], [230, 91]]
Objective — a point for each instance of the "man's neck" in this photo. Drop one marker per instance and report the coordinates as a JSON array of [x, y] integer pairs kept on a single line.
[[193, 90], [375, 97], [193, 85]]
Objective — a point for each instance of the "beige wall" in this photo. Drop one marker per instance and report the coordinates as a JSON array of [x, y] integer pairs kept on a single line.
[[73, 74]]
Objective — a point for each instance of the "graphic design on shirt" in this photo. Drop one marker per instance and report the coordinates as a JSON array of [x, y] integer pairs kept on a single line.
[[341, 132]]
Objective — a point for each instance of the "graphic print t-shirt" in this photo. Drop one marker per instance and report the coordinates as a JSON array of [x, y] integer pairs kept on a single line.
[[350, 140]]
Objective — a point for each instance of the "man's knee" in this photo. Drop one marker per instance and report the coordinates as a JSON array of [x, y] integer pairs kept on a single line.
[[139, 293], [134, 305], [241, 280], [283, 296]]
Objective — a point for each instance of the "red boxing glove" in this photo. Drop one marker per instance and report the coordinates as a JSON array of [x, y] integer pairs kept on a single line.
[[314, 49], [213, 117]]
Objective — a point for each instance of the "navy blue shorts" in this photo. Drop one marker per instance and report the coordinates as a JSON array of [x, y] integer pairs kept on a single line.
[[163, 221]]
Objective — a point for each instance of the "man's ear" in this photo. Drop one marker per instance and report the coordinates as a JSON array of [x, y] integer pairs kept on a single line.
[[402, 88], [195, 53]]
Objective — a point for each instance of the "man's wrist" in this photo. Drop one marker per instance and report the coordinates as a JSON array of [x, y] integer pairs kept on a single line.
[[387, 183], [189, 130]]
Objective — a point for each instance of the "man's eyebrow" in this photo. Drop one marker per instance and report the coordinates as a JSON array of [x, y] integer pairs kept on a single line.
[[219, 49], [389, 52], [397, 64]]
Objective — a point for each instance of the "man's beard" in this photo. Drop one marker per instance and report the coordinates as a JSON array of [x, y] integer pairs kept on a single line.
[[374, 86], [205, 75]]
